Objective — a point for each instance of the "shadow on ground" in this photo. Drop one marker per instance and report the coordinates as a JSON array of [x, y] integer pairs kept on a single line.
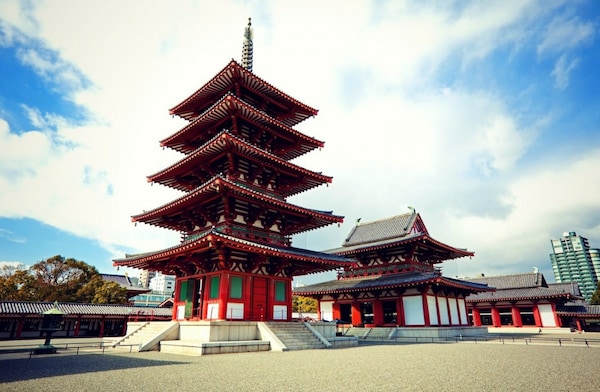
[[63, 365]]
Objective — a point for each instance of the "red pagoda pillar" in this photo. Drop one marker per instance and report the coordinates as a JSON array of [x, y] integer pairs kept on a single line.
[[356, 314], [516, 316], [223, 295], [426, 309], [496, 322], [476, 317], [335, 310], [377, 312], [400, 312]]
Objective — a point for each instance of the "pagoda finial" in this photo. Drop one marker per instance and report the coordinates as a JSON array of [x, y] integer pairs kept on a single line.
[[247, 50]]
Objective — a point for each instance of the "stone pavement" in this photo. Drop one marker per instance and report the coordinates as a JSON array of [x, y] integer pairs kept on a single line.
[[381, 367]]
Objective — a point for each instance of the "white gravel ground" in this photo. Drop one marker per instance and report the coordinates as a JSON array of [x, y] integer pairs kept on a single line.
[[396, 367]]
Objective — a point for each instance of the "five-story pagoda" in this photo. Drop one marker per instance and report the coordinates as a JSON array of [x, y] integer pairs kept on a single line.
[[235, 260]]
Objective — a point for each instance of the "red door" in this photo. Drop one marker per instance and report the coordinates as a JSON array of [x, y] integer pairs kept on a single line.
[[258, 311]]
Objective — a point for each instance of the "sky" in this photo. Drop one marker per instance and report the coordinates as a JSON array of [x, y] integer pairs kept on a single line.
[[482, 115]]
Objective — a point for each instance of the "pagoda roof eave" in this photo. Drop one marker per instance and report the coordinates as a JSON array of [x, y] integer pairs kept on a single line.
[[394, 242], [519, 294], [385, 282], [219, 143], [232, 71], [229, 104], [156, 215], [211, 236]]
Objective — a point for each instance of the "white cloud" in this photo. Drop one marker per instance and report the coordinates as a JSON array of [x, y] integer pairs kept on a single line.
[[562, 71], [397, 133], [565, 33]]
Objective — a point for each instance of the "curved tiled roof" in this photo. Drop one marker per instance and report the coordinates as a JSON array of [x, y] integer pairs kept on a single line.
[[524, 280], [229, 105], [144, 260], [389, 281], [157, 216], [36, 308], [220, 145], [224, 80], [528, 293]]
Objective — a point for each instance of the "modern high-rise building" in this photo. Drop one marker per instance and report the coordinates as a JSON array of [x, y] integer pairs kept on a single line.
[[574, 261]]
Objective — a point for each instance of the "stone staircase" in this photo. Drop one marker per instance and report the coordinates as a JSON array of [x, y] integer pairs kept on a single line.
[[378, 333], [295, 336], [359, 332], [148, 336]]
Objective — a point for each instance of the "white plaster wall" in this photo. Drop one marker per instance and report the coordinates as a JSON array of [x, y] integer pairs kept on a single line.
[[443, 305], [212, 311], [413, 310], [547, 315], [235, 311], [431, 304], [454, 320], [279, 312], [326, 310], [464, 317]]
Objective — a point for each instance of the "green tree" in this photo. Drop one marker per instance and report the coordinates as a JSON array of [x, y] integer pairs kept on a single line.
[[59, 279], [304, 304], [595, 300]]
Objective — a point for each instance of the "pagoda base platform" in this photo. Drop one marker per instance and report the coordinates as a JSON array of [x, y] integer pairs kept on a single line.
[[440, 332], [190, 347]]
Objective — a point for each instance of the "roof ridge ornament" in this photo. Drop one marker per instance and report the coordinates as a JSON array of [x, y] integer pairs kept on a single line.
[[248, 47]]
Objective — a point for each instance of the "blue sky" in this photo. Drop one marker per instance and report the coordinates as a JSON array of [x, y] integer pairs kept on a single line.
[[482, 115]]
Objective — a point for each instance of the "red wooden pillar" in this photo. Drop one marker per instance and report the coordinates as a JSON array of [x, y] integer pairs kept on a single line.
[[175, 299], [476, 317], [20, 326], [270, 299], [223, 295], [400, 311], [425, 309], [556, 318], [516, 315], [290, 303], [536, 315], [77, 326], [356, 314], [377, 312], [496, 322], [102, 321], [335, 310]]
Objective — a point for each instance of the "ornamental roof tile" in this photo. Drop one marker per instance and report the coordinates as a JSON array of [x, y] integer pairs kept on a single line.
[[31, 308], [524, 280], [225, 142], [397, 234], [383, 229], [143, 260], [124, 281], [224, 80], [516, 294], [578, 309], [223, 108], [388, 281], [525, 286], [218, 183]]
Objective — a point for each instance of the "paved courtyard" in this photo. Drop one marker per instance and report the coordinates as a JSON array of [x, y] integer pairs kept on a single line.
[[374, 367]]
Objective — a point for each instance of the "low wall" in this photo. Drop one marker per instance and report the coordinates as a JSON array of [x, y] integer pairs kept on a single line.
[[439, 332], [327, 330], [218, 331]]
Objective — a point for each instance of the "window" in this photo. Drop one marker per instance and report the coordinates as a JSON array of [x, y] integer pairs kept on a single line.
[[235, 287], [214, 287], [280, 291]]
